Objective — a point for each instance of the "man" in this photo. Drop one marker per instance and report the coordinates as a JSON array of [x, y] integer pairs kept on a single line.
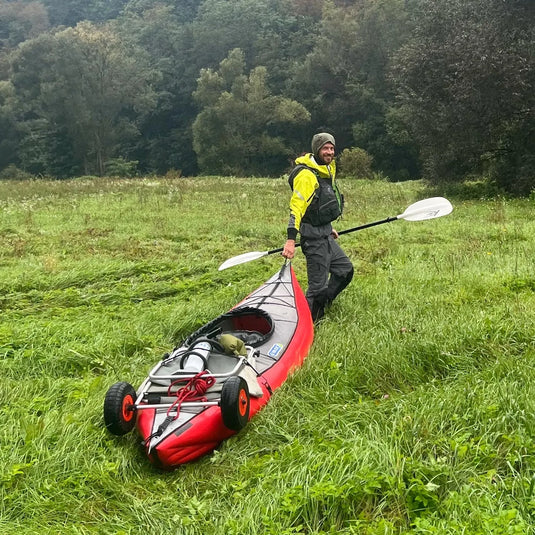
[[314, 204]]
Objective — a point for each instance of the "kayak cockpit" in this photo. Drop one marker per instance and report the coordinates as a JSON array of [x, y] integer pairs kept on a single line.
[[221, 349], [252, 325]]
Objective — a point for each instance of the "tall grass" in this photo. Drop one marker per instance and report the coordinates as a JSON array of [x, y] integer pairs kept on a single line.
[[412, 414]]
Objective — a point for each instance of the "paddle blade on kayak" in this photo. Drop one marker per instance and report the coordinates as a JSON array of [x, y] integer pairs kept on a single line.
[[242, 259]]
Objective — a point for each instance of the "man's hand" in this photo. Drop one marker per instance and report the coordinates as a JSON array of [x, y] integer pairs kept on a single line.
[[289, 249], [334, 234]]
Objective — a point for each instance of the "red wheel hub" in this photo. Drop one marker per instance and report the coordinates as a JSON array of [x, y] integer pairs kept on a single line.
[[243, 402], [128, 413]]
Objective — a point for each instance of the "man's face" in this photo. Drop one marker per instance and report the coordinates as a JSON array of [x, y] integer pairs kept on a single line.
[[326, 153]]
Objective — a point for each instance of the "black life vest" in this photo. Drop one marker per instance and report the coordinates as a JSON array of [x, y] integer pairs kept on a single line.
[[328, 202]]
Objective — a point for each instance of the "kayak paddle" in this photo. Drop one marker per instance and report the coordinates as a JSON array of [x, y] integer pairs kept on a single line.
[[419, 211]]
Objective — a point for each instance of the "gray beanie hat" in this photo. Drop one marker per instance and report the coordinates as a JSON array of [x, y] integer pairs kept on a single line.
[[319, 140]]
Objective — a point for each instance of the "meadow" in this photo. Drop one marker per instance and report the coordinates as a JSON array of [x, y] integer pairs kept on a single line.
[[413, 412]]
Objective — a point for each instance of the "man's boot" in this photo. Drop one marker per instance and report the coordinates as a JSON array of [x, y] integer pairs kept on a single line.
[[336, 285], [317, 307]]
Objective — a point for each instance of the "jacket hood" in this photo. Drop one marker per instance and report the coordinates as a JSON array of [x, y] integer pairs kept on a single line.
[[322, 169]]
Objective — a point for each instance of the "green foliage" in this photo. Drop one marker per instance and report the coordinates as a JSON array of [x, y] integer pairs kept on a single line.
[[70, 13], [12, 172], [232, 133], [469, 101], [83, 82], [161, 31], [20, 21], [511, 167], [349, 91], [440, 88], [186, 10], [121, 167], [355, 163]]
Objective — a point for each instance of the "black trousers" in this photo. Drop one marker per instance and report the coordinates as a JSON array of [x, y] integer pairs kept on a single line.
[[329, 271]]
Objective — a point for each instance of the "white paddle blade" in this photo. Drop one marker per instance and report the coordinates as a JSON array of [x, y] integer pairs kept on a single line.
[[427, 209], [242, 259]]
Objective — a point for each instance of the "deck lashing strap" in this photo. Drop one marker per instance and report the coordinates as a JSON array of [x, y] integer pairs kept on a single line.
[[194, 390]]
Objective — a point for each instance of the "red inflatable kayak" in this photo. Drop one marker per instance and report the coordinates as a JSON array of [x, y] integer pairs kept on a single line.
[[207, 389]]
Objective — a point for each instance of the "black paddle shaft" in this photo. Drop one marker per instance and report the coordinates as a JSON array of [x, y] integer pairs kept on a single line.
[[347, 231]]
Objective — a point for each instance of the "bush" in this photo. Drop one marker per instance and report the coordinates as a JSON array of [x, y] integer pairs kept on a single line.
[[12, 172], [173, 174], [121, 167], [355, 163]]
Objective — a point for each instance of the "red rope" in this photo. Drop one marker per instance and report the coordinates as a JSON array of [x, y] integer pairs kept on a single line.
[[194, 390]]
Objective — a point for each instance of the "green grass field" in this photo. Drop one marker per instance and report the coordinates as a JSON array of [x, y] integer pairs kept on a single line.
[[412, 414]]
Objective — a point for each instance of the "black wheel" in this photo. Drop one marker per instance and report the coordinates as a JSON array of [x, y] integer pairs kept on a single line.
[[235, 403], [119, 410]]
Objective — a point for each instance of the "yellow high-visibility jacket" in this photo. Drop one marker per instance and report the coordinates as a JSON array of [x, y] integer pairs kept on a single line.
[[305, 185]]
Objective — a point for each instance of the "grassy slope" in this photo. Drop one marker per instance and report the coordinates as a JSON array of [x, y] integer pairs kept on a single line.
[[412, 414]]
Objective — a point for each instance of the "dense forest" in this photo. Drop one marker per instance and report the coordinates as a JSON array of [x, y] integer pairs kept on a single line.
[[440, 89]]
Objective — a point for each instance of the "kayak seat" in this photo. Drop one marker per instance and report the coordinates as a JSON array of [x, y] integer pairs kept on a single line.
[[254, 324]]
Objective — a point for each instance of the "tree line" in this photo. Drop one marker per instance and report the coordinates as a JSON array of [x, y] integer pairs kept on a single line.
[[441, 89]]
